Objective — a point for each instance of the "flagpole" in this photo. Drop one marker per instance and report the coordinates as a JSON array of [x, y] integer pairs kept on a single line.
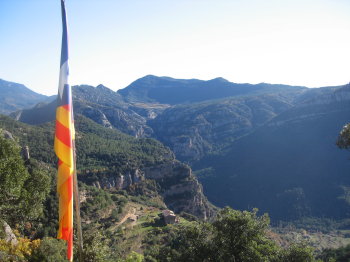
[[77, 207], [67, 183]]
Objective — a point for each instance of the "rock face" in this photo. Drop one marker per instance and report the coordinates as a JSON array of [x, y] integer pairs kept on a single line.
[[123, 119], [8, 135], [108, 109], [324, 96], [180, 190], [39, 114], [192, 131], [25, 153], [101, 105], [9, 235], [282, 166], [121, 181]]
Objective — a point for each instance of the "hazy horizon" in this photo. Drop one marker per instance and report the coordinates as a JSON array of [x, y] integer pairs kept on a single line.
[[113, 43]]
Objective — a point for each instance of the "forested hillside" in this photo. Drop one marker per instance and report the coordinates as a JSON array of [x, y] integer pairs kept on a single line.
[[269, 148], [118, 174], [106, 206], [258, 145], [167, 90], [291, 167]]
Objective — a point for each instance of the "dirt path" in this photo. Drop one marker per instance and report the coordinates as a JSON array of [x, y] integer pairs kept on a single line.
[[130, 214]]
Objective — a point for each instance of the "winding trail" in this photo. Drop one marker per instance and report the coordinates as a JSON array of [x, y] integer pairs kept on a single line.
[[130, 214]]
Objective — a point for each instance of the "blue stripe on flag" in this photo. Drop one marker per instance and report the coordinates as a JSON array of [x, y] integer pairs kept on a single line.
[[66, 96], [64, 50]]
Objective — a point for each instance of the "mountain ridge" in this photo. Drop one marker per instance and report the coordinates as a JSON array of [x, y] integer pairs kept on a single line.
[[167, 90], [206, 132], [14, 96]]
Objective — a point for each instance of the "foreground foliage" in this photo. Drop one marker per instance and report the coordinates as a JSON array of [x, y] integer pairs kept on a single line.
[[340, 254], [344, 137], [24, 185], [233, 236]]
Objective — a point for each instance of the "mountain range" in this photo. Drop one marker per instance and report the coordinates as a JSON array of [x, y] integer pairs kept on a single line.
[[265, 146], [15, 96]]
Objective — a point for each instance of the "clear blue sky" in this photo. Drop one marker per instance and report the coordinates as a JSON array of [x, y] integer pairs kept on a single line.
[[114, 42]]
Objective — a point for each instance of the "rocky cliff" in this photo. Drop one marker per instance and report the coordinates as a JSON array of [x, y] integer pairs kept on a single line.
[[325, 95], [194, 130], [180, 190]]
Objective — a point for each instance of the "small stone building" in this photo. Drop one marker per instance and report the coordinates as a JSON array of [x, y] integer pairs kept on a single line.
[[169, 217]]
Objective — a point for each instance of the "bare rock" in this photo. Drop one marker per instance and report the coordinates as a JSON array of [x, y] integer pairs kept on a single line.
[[7, 135], [25, 153], [9, 235]]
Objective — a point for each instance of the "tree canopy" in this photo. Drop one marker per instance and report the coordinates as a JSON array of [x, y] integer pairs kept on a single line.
[[24, 185], [344, 137], [233, 236]]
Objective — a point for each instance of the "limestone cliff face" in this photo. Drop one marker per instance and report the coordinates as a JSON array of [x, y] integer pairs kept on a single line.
[[120, 118], [315, 104], [323, 96], [98, 116], [121, 181], [193, 130], [180, 190]]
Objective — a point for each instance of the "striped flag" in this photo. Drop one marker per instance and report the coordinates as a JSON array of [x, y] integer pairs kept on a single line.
[[64, 137]]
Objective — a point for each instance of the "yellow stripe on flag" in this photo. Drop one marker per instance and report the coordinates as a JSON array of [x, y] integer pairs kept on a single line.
[[63, 152], [64, 173], [64, 116]]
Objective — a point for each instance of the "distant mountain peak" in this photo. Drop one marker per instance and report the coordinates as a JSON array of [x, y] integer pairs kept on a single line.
[[149, 76], [167, 90], [97, 94], [101, 86], [14, 96], [219, 79], [2, 81]]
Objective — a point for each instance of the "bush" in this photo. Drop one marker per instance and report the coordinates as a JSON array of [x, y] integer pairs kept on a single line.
[[238, 236]]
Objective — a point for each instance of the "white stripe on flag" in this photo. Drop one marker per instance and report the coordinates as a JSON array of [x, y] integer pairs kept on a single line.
[[63, 78]]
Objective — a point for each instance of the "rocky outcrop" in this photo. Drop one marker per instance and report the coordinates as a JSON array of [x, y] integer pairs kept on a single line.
[[180, 190], [128, 121], [148, 110], [7, 135], [97, 115], [192, 131], [324, 96], [323, 102], [25, 153], [120, 118], [121, 181], [9, 235]]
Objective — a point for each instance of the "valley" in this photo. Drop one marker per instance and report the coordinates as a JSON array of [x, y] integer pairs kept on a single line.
[[194, 147]]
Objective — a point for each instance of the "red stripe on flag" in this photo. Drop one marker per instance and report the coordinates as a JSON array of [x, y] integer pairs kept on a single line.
[[67, 107], [70, 246], [63, 134], [69, 185], [66, 233], [67, 189]]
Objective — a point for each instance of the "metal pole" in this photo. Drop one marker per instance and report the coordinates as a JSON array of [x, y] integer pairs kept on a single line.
[[77, 207]]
